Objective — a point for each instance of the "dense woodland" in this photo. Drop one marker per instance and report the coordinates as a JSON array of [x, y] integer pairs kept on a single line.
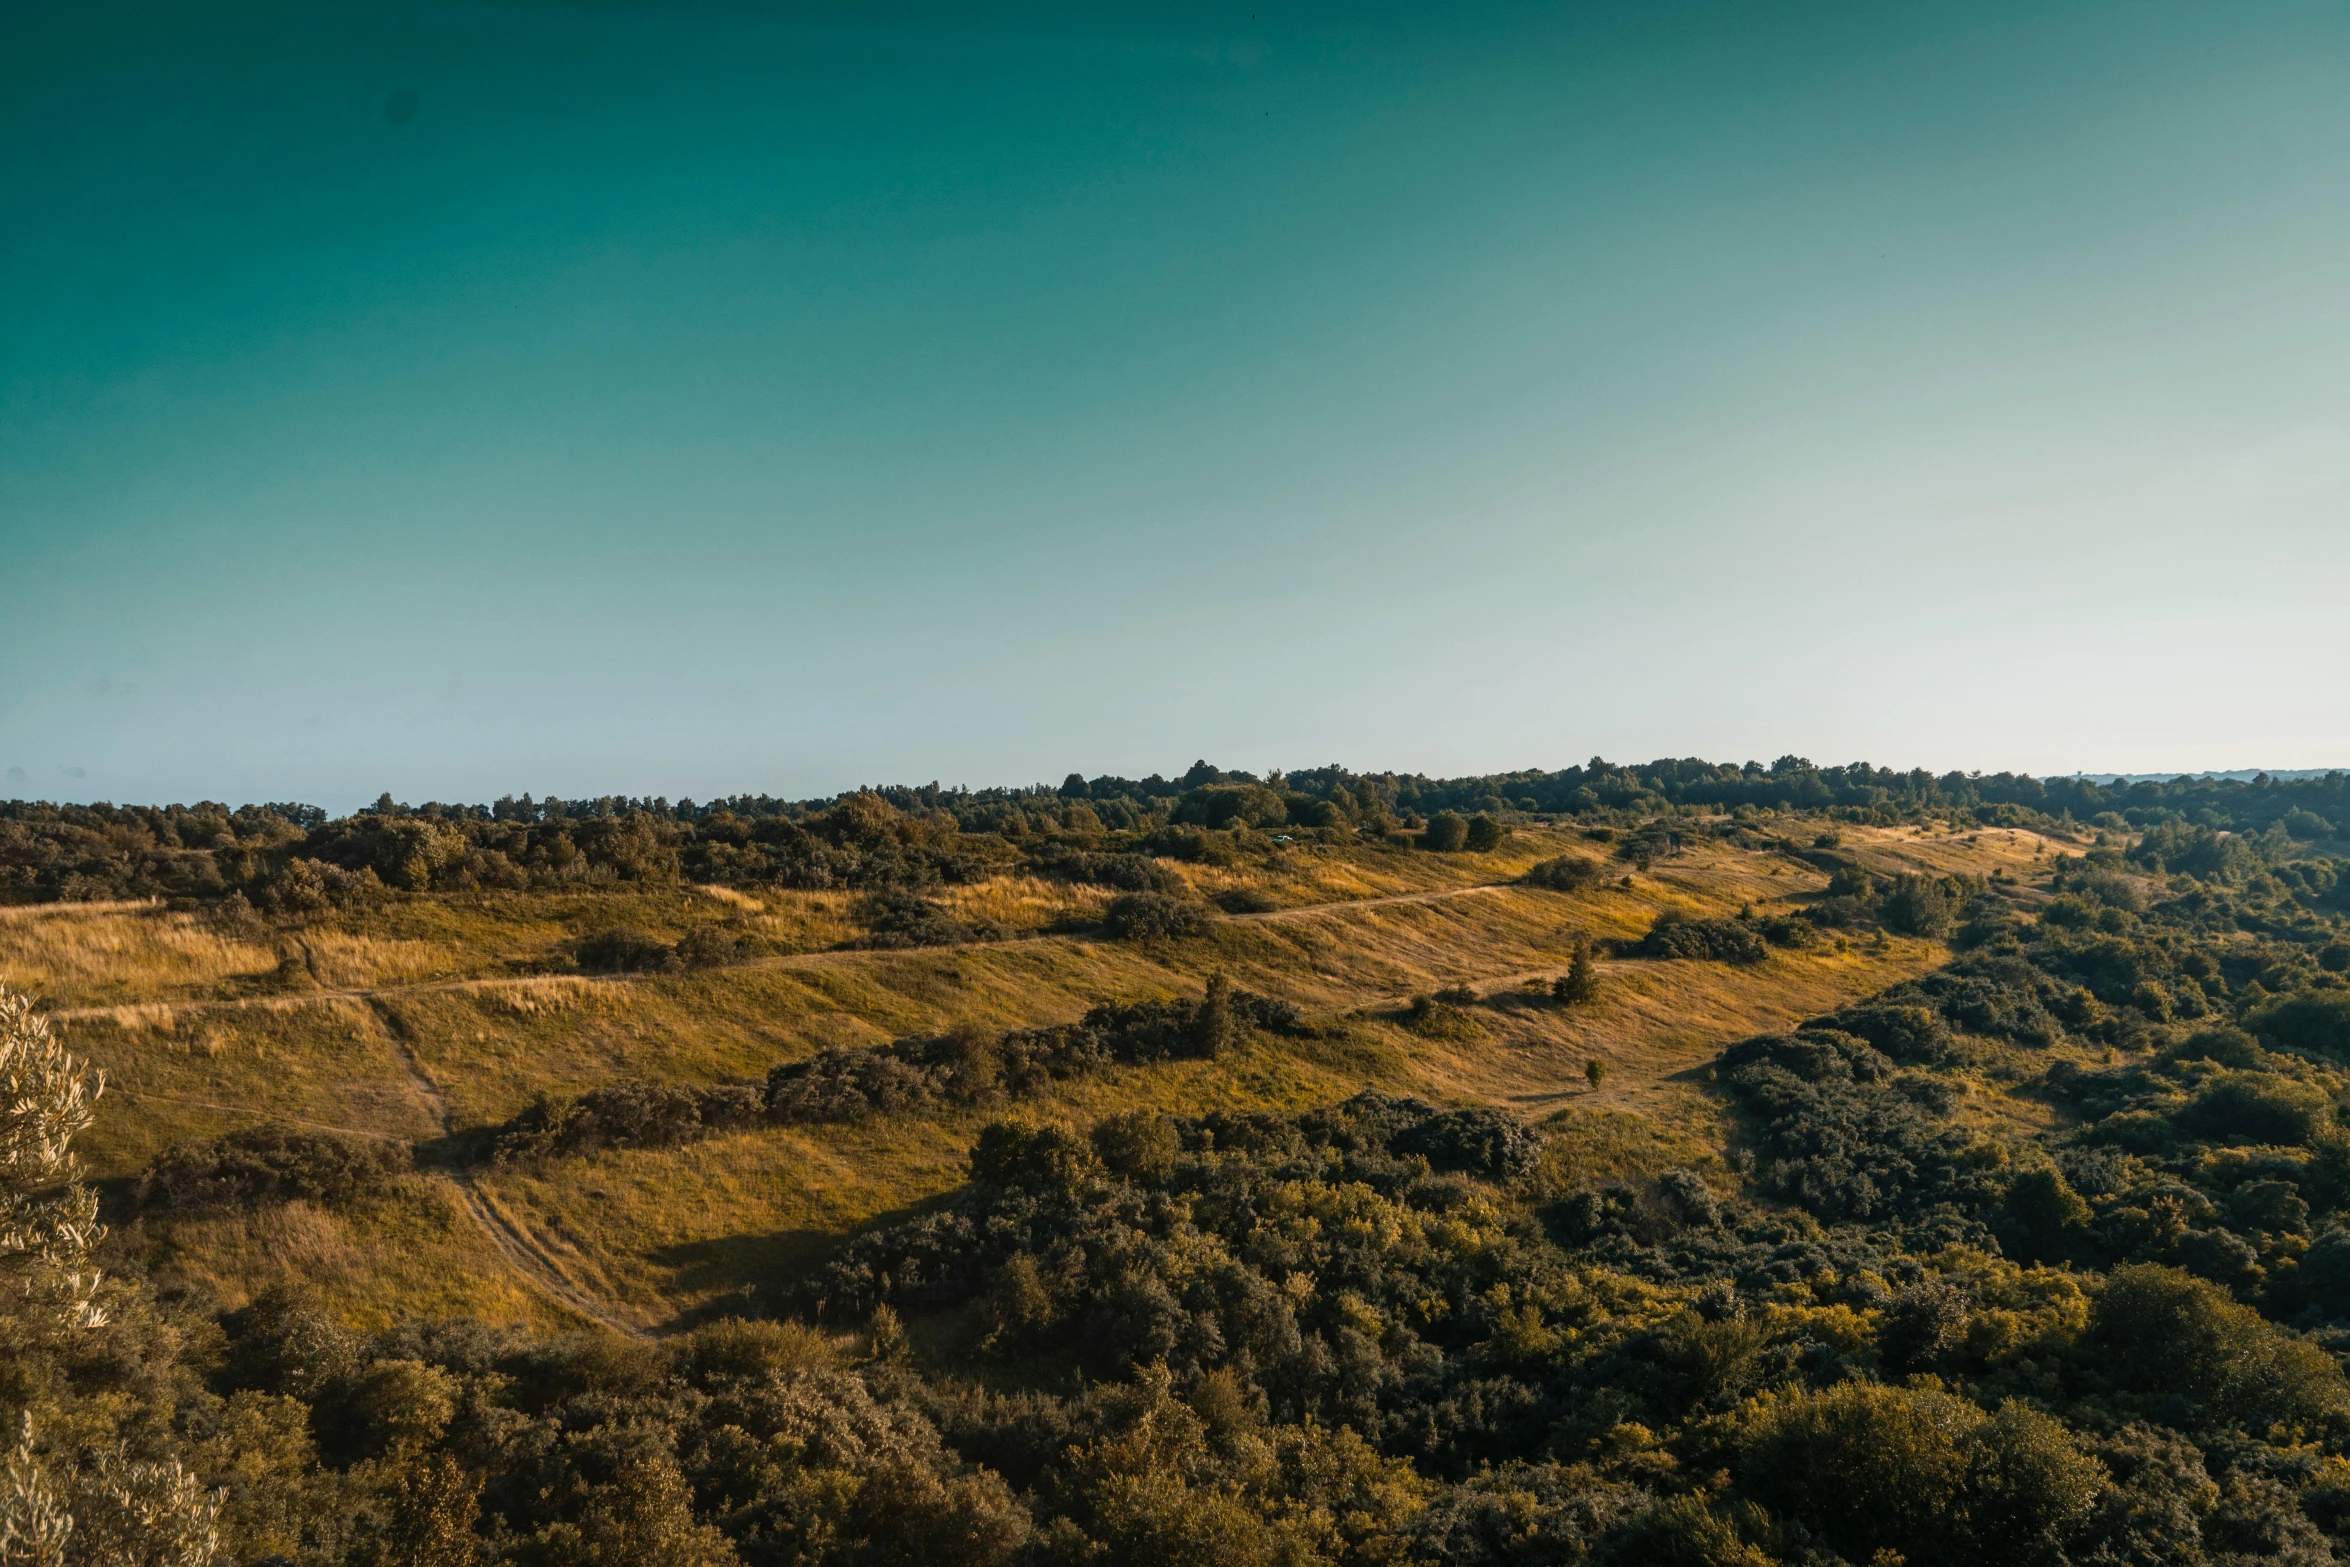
[[294, 855], [1885, 1329]]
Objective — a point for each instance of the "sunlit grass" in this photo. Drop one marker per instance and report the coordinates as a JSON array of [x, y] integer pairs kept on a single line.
[[468, 1002]]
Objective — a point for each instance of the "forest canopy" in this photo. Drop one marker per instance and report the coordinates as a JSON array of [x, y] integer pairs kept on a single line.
[[898, 836]]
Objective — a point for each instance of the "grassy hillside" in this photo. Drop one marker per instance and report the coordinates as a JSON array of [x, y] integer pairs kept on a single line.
[[424, 1017]]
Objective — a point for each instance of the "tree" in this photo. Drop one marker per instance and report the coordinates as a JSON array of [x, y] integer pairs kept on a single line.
[[48, 1219], [1445, 833], [1580, 984], [1484, 833], [112, 1507], [1922, 905], [1595, 1070], [2157, 1330], [1869, 1468], [1216, 1029]]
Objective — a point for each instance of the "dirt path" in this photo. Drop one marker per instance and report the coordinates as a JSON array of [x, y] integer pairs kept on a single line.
[[522, 1252], [532, 1262]]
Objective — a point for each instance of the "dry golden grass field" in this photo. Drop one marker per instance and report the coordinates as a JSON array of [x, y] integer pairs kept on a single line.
[[439, 1013]]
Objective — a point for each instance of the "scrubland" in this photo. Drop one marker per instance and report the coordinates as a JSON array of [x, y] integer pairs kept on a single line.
[[1694, 1164]]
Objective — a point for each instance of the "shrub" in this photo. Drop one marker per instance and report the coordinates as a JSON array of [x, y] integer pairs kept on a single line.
[[737, 1347], [1673, 936], [631, 1114], [1140, 1145], [304, 887], [2031, 1490], [1922, 905], [1149, 916], [1125, 872], [2044, 1208], [1474, 1141], [1445, 833], [2251, 1107], [1870, 1468], [967, 1067], [1518, 1514], [1434, 1019], [1049, 1158], [2324, 1276], [715, 946], [272, 1164], [902, 918], [1911, 1035], [2315, 1021], [2157, 1330], [1567, 873], [1484, 834], [624, 950]]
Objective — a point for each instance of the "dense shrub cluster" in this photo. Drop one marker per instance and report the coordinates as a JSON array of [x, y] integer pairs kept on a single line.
[[631, 1114], [271, 1163], [1728, 941], [1566, 873], [1126, 871], [909, 919], [968, 1067], [1845, 1134], [961, 1068], [78, 853], [624, 950], [1154, 916]]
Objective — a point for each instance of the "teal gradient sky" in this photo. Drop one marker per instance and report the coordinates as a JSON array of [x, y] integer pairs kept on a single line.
[[701, 398]]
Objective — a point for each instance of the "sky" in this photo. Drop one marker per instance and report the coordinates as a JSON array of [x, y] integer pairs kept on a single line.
[[458, 400]]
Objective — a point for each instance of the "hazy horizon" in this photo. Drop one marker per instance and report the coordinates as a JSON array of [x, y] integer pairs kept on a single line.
[[462, 400]]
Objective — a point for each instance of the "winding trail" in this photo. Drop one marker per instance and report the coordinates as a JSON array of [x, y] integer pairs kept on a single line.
[[522, 1252]]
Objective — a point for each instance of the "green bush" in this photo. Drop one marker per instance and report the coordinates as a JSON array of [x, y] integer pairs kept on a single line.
[[1868, 1468], [625, 951], [1445, 833], [271, 1163], [1922, 905], [1729, 941], [1436, 1019], [2315, 1021], [2154, 1329], [1150, 916], [2246, 1107], [1046, 1158], [1566, 873], [1874, 1469]]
